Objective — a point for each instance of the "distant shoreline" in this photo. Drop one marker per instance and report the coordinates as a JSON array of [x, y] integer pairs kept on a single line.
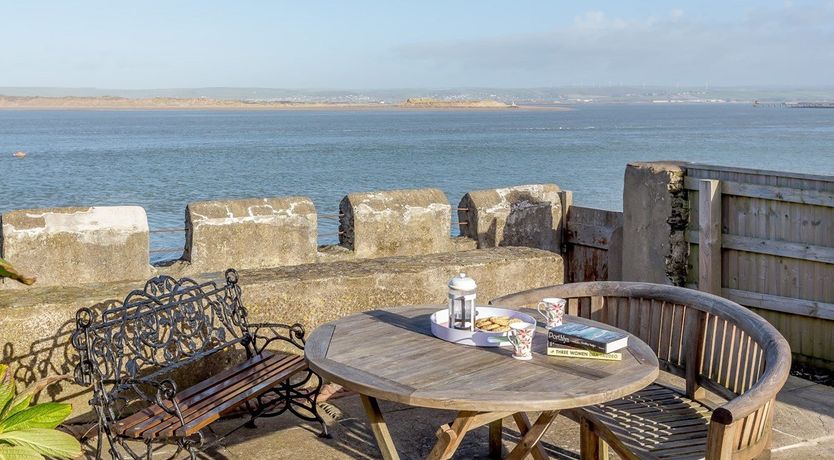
[[165, 103]]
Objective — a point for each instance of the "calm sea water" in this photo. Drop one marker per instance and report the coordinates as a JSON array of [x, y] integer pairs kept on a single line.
[[161, 160]]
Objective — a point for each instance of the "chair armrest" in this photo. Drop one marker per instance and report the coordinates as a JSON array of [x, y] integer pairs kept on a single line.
[[778, 357]]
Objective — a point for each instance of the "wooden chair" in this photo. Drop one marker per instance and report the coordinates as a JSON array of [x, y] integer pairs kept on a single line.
[[713, 343]]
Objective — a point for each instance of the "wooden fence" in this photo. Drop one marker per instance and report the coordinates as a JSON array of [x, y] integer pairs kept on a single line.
[[765, 239], [592, 242]]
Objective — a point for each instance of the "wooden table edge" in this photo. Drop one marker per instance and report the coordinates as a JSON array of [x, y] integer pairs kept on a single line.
[[317, 361]]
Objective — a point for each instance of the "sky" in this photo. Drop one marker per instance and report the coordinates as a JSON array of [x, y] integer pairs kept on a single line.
[[415, 44]]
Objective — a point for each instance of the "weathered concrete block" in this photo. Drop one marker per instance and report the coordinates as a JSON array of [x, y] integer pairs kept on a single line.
[[251, 233], [68, 246], [395, 223], [35, 325], [525, 215], [655, 214]]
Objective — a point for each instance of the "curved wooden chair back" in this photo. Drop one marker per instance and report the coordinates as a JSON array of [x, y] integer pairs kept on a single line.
[[713, 343]]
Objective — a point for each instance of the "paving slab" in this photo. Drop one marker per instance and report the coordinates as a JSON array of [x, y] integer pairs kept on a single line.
[[804, 429], [804, 419]]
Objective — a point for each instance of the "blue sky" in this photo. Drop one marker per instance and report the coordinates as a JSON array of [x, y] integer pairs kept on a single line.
[[427, 44]]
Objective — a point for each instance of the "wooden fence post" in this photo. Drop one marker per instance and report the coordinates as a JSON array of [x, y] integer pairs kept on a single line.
[[709, 236]]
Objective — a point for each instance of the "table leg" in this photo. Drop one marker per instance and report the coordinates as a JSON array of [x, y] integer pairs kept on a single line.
[[495, 438], [379, 428], [450, 437], [531, 435]]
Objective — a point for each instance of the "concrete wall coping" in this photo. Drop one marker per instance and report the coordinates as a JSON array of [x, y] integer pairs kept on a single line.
[[86, 295]]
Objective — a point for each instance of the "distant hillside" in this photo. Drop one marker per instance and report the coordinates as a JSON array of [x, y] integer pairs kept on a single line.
[[111, 102], [196, 103], [523, 96], [429, 103]]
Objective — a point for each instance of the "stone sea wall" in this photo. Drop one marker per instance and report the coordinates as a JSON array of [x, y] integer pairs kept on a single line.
[[395, 248], [100, 244], [35, 324]]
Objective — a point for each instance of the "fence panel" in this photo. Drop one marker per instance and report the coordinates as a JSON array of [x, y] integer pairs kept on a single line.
[[777, 249], [593, 244]]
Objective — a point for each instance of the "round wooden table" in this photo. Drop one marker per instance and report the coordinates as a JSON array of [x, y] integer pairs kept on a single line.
[[391, 354]]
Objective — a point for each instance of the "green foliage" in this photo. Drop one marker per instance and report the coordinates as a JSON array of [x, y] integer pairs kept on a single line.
[[27, 432], [47, 415], [18, 453], [7, 271]]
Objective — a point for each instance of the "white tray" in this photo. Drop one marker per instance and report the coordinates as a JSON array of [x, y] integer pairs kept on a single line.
[[440, 328]]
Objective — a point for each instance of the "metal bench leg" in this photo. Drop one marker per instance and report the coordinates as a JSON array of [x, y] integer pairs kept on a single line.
[[99, 444], [324, 433], [313, 396], [591, 446]]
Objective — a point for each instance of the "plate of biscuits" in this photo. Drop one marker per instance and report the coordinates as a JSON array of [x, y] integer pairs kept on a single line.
[[496, 323], [491, 324]]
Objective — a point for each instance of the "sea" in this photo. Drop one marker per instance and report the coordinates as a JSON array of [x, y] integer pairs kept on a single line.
[[161, 160]]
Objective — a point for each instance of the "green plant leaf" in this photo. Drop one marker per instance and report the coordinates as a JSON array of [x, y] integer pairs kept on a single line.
[[17, 405], [18, 453], [7, 389], [46, 415], [24, 398], [49, 443]]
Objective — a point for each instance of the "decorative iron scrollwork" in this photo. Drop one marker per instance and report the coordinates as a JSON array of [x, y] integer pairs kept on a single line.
[[128, 347], [263, 334]]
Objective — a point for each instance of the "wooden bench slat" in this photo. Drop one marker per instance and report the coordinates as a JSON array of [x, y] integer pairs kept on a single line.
[[251, 392], [189, 399], [124, 424], [232, 396], [656, 421], [198, 399], [678, 409]]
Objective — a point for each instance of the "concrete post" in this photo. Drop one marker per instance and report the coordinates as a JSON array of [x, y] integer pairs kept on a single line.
[[69, 246], [525, 215], [655, 216], [250, 233], [395, 223]]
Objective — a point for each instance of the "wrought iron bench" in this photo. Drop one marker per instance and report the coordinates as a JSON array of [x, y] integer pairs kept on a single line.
[[129, 349], [711, 342]]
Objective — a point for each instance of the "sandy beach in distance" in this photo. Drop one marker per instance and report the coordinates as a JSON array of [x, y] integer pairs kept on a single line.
[[165, 103]]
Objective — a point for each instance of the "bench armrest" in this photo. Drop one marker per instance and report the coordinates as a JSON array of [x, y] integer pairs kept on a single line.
[[165, 397], [265, 333]]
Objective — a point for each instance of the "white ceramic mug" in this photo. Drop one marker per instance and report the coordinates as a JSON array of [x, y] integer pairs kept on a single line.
[[553, 310], [521, 337]]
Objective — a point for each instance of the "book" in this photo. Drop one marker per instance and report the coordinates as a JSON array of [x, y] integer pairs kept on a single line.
[[587, 337], [570, 352]]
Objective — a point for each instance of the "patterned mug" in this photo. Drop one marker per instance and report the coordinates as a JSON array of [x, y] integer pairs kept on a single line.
[[521, 337], [553, 310]]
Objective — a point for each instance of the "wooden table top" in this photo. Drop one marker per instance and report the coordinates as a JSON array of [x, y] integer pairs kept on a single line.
[[391, 354]]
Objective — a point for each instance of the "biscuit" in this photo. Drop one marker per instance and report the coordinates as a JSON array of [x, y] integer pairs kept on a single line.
[[514, 321], [501, 320]]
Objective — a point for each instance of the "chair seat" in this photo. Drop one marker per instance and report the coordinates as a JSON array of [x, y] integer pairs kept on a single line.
[[654, 423], [212, 398]]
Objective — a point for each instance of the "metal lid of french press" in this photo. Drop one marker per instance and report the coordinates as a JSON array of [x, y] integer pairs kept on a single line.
[[462, 283]]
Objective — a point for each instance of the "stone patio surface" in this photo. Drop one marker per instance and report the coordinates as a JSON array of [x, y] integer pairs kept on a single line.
[[803, 429]]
